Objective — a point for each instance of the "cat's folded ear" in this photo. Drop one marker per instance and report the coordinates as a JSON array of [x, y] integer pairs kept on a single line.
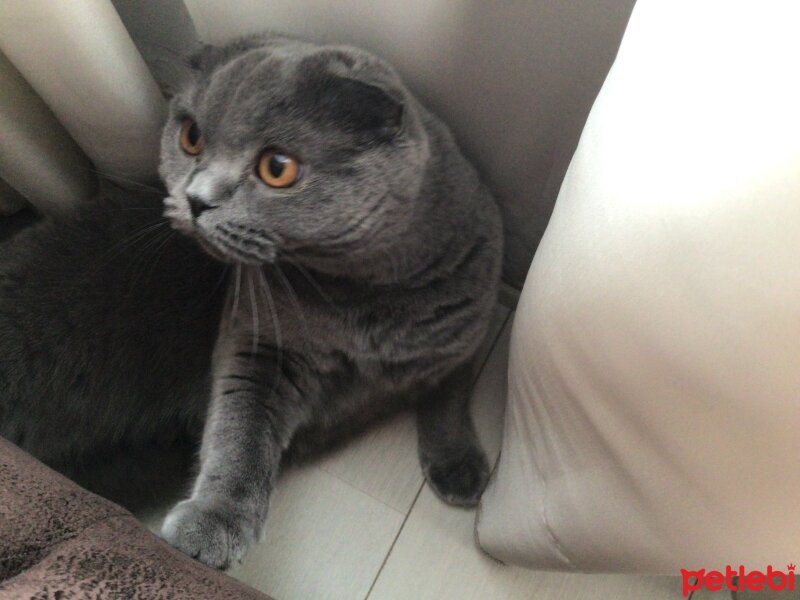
[[371, 111]]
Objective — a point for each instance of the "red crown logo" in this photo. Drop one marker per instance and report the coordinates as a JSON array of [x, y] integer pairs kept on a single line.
[[790, 567]]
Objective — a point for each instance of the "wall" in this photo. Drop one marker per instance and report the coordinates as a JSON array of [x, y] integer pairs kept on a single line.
[[515, 79]]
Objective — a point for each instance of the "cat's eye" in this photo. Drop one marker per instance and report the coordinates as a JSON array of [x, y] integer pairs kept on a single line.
[[191, 139], [277, 169]]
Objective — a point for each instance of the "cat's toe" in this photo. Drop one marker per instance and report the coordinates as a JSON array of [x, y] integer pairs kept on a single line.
[[209, 531], [458, 478]]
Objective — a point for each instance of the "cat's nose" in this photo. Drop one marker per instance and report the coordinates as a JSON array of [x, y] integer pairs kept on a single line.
[[197, 205]]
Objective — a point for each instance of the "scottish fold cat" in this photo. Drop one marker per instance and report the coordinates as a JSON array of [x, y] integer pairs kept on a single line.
[[350, 262]]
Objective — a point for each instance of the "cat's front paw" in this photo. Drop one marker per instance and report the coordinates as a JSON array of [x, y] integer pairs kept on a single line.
[[210, 530]]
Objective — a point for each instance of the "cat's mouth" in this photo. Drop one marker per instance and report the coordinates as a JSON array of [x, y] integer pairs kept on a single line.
[[227, 243], [230, 247]]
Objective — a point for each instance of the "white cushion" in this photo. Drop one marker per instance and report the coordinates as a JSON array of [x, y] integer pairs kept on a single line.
[[653, 417]]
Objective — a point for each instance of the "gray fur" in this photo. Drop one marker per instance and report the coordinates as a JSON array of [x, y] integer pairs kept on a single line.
[[365, 287], [107, 323]]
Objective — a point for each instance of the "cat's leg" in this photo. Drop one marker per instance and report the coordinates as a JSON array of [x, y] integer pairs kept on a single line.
[[260, 398], [450, 454]]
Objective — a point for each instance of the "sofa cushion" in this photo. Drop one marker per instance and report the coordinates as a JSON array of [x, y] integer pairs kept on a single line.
[[654, 380], [60, 541]]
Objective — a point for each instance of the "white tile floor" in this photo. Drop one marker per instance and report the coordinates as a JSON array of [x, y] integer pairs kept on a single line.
[[361, 524]]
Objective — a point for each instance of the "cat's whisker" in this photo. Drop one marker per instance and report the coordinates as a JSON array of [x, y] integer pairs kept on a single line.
[[287, 285], [278, 334], [129, 241], [222, 277], [127, 180], [236, 290], [254, 309], [157, 251], [152, 242], [149, 255], [140, 232], [310, 279]]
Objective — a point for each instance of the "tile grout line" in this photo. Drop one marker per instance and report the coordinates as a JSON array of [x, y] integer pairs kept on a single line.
[[478, 373], [419, 491], [394, 542], [364, 492]]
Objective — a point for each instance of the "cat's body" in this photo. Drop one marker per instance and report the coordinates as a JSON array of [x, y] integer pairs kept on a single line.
[[103, 339], [363, 285]]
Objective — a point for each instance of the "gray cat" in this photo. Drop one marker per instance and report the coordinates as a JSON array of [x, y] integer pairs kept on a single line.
[[363, 262]]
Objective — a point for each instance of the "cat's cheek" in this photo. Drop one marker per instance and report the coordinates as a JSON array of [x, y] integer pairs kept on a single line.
[[178, 215], [172, 208]]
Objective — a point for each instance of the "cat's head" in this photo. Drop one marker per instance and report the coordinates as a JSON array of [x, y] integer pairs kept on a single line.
[[285, 148]]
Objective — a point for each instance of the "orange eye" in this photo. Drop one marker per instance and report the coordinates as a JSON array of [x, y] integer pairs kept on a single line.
[[277, 170], [191, 138]]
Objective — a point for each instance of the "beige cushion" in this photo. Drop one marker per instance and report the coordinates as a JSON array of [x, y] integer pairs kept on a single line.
[[653, 417]]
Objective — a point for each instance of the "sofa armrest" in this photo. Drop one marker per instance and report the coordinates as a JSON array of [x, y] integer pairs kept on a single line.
[[58, 540]]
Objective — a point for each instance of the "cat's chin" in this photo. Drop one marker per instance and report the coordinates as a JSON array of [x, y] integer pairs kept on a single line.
[[213, 251]]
